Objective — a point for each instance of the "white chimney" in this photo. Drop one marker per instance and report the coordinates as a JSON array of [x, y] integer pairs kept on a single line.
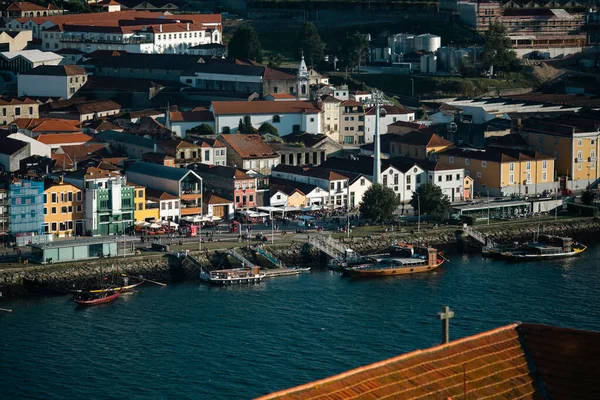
[[160, 27], [188, 26]]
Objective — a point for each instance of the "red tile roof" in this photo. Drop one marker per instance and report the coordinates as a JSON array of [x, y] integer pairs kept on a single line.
[[16, 101], [274, 74], [63, 138], [248, 146], [214, 199], [391, 110], [94, 106], [157, 195], [47, 124], [423, 138], [263, 107], [282, 96], [26, 6], [192, 116], [512, 362]]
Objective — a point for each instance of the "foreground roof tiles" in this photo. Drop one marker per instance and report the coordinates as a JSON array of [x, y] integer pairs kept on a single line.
[[512, 362]]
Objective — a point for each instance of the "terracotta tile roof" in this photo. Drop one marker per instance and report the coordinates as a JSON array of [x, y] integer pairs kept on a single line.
[[282, 96], [391, 110], [66, 138], [192, 116], [157, 195], [413, 125], [248, 146], [220, 170], [496, 154], [98, 173], [26, 6], [47, 124], [274, 74], [94, 106], [214, 199], [55, 70], [16, 101], [177, 144], [350, 103], [263, 107], [422, 138], [492, 364]]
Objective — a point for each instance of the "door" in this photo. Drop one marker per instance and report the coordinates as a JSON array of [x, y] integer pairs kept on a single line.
[[219, 211]]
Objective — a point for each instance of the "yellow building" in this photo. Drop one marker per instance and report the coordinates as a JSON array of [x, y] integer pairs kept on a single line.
[[63, 209], [418, 144], [574, 145], [296, 199], [504, 172], [468, 188], [142, 212]]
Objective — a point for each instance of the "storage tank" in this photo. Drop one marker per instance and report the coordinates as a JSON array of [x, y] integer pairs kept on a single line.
[[448, 59], [427, 42], [428, 64], [401, 43]]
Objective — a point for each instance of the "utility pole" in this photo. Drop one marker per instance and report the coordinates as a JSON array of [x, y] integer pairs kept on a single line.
[[445, 316]]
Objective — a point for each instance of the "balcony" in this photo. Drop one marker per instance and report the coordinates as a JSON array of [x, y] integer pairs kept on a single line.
[[82, 39]]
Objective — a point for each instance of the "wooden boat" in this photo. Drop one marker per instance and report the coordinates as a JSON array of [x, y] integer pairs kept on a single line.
[[92, 299], [126, 288], [551, 247], [402, 260], [232, 276]]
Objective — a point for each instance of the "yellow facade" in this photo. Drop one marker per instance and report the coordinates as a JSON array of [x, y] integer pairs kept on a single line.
[[142, 213], [63, 209], [297, 199], [575, 155], [505, 174]]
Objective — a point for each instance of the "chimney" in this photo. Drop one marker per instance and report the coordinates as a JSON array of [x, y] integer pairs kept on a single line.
[[188, 26], [160, 28]]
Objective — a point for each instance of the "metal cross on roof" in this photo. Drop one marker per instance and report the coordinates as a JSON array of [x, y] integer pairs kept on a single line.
[[445, 316]]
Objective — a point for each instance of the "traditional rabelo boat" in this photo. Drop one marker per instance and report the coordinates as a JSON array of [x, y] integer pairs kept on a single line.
[[402, 259], [92, 299], [546, 247], [232, 276]]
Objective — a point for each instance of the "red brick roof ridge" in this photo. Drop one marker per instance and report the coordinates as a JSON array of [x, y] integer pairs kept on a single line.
[[387, 362]]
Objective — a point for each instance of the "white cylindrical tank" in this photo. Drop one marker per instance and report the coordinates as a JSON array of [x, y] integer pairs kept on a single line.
[[427, 42]]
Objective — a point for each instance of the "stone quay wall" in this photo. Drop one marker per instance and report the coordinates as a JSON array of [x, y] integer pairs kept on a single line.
[[58, 278]]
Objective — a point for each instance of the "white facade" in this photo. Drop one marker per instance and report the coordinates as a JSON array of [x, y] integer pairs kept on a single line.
[[450, 180], [309, 122], [335, 191], [279, 198], [169, 210], [180, 128], [151, 40], [383, 123], [54, 86], [357, 190], [35, 148]]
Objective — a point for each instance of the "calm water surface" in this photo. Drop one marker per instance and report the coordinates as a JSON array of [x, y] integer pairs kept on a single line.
[[192, 341]]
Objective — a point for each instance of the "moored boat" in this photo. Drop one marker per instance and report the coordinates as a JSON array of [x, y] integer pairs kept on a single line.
[[547, 247], [233, 276], [402, 260], [92, 299]]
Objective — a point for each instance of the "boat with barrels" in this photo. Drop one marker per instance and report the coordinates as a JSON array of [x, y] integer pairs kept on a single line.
[[546, 247], [402, 259]]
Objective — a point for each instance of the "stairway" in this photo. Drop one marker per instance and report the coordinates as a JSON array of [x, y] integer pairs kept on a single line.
[[192, 264], [329, 246], [480, 237], [274, 260], [233, 253]]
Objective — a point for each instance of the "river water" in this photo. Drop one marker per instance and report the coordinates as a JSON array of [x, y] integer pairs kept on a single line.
[[191, 341]]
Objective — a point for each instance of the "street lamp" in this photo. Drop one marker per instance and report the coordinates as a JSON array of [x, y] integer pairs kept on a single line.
[[418, 213]]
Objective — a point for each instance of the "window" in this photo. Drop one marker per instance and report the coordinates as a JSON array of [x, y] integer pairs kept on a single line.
[[163, 206], [362, 182], [483, 164], [467, 161], [226, 130], [17, 110], [458, 177], [126, 202], [579, 156], [332, 186], [511, 178], [30, 110], [448, 178], [544, 164], [276, 118], [528, 177], [62, 197], [170, 205], [312, 119], [70, 196], [579, 142], [237, 199], [45, 198], [78, 196], [439, 178], [45, 211], [53, 210], [4, 112], [479, 174], [544, 176], [251, 198], [528, 166], [79, 208], [511, 167], [53, 197], [451, 160]]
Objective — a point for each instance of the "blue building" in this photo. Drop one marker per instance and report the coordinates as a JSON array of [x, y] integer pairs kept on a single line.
[[26, 209]]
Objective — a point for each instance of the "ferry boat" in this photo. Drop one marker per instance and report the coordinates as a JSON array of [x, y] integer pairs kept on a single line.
[[232, 276], [547, 247], [402, 259]]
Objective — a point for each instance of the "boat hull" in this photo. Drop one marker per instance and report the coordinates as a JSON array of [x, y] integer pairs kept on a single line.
[[96, 301], [538, 257], [364, 273]]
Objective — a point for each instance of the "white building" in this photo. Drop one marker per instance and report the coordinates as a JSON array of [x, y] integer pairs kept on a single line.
[[357, 188], [388, 115], [168, 205], [36, 148], [278, 198], [287, 116], [132, 31], [58, 81], [180, 122], [447, 177]]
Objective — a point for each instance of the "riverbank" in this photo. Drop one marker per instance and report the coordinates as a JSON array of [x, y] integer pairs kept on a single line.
[[57, 278]]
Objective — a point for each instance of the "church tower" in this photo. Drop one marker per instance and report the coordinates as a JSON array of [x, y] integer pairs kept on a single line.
[[302, 81]]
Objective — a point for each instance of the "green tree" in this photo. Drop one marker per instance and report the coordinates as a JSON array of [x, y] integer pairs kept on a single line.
[[276, 60], [267, 128], [245, 44], [309, 43], [430, 199], [354, 51], [497, 50], [203, 129], [379, 203], [245, 125]]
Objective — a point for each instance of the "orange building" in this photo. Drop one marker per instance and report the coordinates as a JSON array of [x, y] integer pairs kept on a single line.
[[63, 209]]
